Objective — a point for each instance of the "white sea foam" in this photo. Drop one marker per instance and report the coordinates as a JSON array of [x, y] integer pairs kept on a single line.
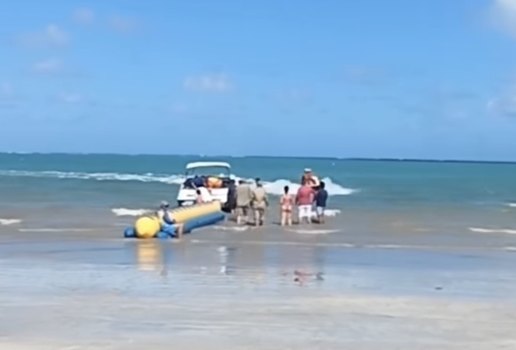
[[129, 212], [147, 177], [498, 230], [50, 229], [273, 187], [313, 232], [329, 212], [231, 228], [334, 189], [512, 205], [8, 222]]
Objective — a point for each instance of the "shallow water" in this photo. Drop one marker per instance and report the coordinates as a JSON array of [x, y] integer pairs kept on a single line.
[[420, 256], [45, 190], [114, 293]]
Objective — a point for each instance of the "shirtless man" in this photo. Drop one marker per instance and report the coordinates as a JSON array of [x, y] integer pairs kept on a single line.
[[304, 200], [259, 204], [244, 195]]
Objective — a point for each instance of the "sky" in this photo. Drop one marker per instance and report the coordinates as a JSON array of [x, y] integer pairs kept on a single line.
[[395, 78]]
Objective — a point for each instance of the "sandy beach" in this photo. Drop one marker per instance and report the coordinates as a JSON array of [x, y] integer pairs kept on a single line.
[[242, 288]]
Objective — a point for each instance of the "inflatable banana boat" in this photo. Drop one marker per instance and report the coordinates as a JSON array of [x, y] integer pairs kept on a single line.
[[185, 220]]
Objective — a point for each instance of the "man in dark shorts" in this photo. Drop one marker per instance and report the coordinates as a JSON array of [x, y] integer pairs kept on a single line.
[[321, 197]]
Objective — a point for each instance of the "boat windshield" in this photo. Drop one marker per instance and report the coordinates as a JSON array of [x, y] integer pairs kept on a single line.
[[218, 171]]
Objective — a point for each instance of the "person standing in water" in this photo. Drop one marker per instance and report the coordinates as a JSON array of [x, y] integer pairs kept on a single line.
[[286, 204], [304, 200], [244, 195], [321, 197], [310, 179], [231, 198], [259, 203]]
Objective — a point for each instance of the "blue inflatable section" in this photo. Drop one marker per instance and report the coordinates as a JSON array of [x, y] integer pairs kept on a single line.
[[130, 232], [171, 230], [202, 221]]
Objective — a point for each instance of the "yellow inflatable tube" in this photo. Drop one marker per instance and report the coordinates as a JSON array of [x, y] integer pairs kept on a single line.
[[183, 214], [147, 226]]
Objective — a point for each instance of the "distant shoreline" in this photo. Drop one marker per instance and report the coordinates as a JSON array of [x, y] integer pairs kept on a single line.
[[197, 156]]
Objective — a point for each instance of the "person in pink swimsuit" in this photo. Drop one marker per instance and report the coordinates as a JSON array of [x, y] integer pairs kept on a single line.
[[286, 204], [304, 200]]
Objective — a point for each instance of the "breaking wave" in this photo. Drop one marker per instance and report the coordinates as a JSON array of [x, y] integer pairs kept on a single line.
[[273, 187], [8, 222], [497, 230], [129, 212], [334, 189], [148, 177]]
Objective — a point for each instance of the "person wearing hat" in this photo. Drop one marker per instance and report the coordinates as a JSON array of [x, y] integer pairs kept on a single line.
[[168, 225], [163, 214], [310, 179]]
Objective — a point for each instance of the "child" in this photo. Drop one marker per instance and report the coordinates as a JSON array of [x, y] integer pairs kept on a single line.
[[199, 199], [286, 203], [321, 197]]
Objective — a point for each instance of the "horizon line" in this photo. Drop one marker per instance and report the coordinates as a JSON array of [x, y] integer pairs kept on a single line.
[[385, 159]]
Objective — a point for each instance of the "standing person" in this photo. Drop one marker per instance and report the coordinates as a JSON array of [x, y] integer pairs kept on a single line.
[[244, 196], [259, 203], [310, 179], [286, 204], [304, 200], [230, 205], [321, 197]]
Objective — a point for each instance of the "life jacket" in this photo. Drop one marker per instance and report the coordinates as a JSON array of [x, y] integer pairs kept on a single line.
[[213, 182]]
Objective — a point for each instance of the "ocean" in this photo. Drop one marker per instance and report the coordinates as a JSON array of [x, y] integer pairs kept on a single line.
[[73, 191], [420, 252]]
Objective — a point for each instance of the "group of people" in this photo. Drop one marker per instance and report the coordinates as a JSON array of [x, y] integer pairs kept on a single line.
[[248, 200], [306, 198]]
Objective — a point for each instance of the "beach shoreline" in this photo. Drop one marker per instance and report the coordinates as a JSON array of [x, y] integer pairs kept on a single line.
[[414, 256], [219, 288]]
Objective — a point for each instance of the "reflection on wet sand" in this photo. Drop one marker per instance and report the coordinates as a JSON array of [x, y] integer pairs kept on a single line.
[[150, 255], [253, 293]]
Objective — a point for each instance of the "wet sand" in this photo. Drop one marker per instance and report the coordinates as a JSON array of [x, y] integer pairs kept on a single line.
[[226, 288]]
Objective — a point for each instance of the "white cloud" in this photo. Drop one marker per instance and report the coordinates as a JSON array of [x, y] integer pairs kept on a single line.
[[83, 15], [179, 108], [7, 96], [49, 66], [123, 24], [70, 97], [6, 90], [364, 75], [208, 83], [293, 95], [503, 15], [50, 36], [503, 105]]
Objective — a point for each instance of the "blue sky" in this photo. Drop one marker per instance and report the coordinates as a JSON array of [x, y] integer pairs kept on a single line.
[[399, 78]]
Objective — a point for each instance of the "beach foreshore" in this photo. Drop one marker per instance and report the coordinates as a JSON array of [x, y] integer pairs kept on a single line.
[[317, 287]]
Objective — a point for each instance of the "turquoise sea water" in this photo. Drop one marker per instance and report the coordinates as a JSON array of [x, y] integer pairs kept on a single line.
[[486, 192]]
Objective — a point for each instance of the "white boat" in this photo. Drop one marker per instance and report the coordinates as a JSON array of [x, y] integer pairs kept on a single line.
[[199, 172]]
